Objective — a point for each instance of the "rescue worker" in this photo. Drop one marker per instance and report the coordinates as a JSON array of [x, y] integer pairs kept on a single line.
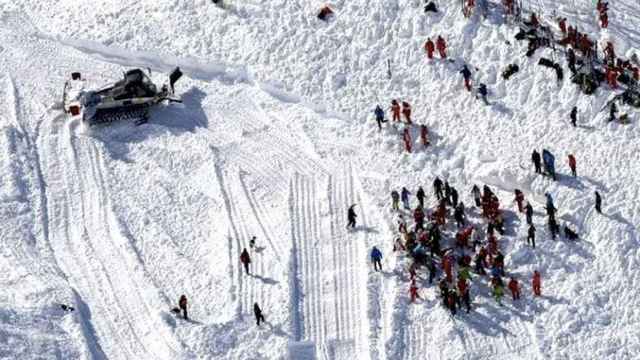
[[574, 116], [536, 159], [395, 200], [376, 258], [537, 283], [429, 47], [598, 203], [406, 111], [404, 195], [463, 292], [466, 73], [182, 304], [420, 195], [379, 116], [572, 164], [245, 259], [413, 291], [395, 110], [424, 135], [258, 313], [514, 287], [441, 45], [406, 137], [351, 217], [531, 236]]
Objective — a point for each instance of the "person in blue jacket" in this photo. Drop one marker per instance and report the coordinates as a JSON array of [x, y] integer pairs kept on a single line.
[[376, 258], [379, 116], [404, 196]]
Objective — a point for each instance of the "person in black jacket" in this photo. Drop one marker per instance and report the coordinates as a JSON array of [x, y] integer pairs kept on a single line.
[[420, 195], [598, 203], [351, 217], [258, 313], [574, 116], [528, 211], [537, 161], [437, 188], [531, 236]]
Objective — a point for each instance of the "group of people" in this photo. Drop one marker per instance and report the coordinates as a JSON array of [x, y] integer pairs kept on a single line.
[[440, 45], [405, 110], [456, 256]]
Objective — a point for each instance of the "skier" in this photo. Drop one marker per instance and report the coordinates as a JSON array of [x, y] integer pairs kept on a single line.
[[182, 303], [376, 258], [424, 135], [476, 194], [258, 313], [441, 45], [406, 137], [429, 47], [574, 116], [598, 203], [466, 73], [351, 217], [379, 116], [514, 287], [395, 110], [482, 90], [404, 195], [395, 200], [420, 195], [531, 236], [519, 200], [572, 164], [536, 159], [537, 283], [437, 187], [245, 259], [406, 111]]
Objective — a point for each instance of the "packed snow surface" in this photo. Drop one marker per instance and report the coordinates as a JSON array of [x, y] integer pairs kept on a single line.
[[276, 139]]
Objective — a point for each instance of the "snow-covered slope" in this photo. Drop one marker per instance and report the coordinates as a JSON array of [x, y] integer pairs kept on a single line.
[[275, 140]]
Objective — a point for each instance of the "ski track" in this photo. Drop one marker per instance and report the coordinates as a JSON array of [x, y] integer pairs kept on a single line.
[[91, 251]]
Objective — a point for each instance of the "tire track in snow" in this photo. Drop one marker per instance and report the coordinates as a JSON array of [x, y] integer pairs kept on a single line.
[[97, 259]]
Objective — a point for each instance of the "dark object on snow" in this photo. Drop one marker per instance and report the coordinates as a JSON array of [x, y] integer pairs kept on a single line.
[[509, 71], [176, 311], [325, 13], [351, 217], [258, 313], [631, 97], [526, 34], [67, 308], [431, 7], [570, 234], [549, 163], [182, 303], [76, 76], [550, 64], [588, 83]]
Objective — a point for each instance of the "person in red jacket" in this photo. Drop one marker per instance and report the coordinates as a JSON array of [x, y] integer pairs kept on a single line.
[[413, 291], [514, 287], [395, 110], [441, 45], [612, 77], [537, 283], [447, 266], [519, 200], [429, 47], [245, 259], [406, 111], [572, 164], [609, 52], [406, 137], [424, 135], [563, 26]]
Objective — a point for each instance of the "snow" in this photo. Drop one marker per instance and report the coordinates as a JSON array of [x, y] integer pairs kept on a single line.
[[275, 139]]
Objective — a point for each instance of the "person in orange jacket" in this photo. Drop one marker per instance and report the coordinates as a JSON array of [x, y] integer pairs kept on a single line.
[[572, 164], [429, 47], [612, 77], [514, 287], [406, 111], [245, 259], [537, 283], [395, 110], [441, 45], [413, 291]]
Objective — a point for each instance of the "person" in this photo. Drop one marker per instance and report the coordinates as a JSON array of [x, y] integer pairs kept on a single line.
[[182, 304], [458, 215], [395, 200], [531, 236], [437, 187], [376, 258], [395, 110], [431, 7], [424, 135], [554, 228], [420, 195], [418, 217], [562, 23], [429, 47], [413, 291], [528, 211], [325, 13], [404, 195], [351, 217], [452, 301], [519, 200], [514, 288], [245, 259], [475, 191], [613, 110], [574, 116], [258, 313], [379, 116], [498, 293], [536, 159], [571, 60], [551, 209], [441, 45], [463, 292], [570, 234], [482, 90], [252, 242], [466, 73], [598, 203], [406, 137], [454, 197], [406, 111], [572, 164], [537, 283]]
